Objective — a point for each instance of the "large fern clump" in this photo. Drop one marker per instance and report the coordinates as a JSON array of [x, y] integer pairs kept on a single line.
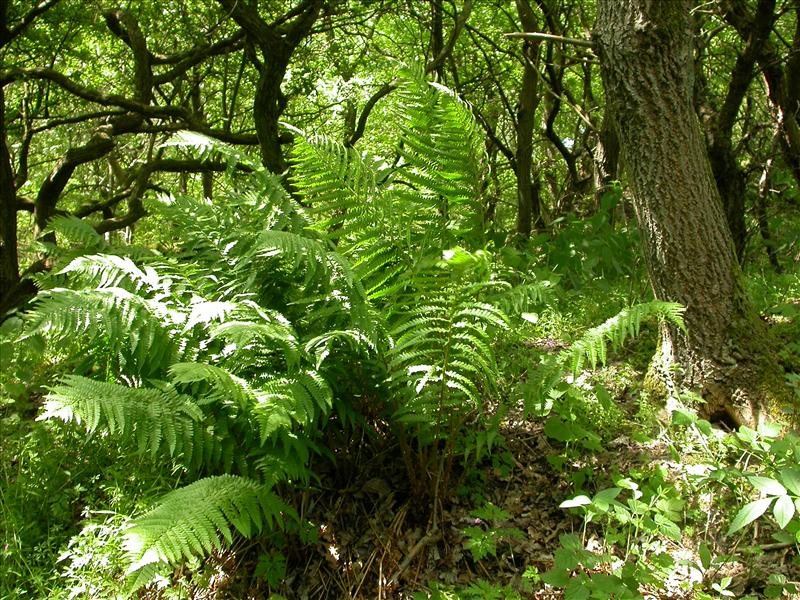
[[191, 356], [228, 351], [232, 352]]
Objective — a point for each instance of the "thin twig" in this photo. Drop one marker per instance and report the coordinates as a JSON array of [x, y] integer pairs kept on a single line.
[[777, 546], [434, 535], [536, 35]]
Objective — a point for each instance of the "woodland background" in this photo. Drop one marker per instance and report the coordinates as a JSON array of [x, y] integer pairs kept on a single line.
[[399, 298]]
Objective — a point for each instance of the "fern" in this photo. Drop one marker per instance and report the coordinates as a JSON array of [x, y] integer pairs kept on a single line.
[[592, 347], [441, 148], [159, 418], [339, 183], [223, 386], [108, 271], [207, 148], [442, 358], [193, 521], [287, 400], [237, 348], [137, 332], [78, 231]]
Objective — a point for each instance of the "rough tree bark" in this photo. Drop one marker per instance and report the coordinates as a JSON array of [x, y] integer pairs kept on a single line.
[[646, 60], [276, 41], [529, 205]]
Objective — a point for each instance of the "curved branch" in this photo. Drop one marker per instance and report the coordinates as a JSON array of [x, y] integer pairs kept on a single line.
[[125, 27], [461, 20], [384, 91], [17, 74], [199, 54], [7, 35]]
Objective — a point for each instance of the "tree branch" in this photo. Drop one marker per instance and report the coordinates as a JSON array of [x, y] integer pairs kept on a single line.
[[385, 90], [199, 54], [6, 35], [534, 35], [461, 19], [16, 74]]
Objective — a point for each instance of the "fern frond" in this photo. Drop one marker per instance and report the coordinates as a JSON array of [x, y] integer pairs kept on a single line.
[[160, 419], [592, 345], [224, 385], [261, 337], [322, 345], [326, 271], [288, 400], [442, 361], [137, 330], [338, 182], [524, 297], [196, 519], [205, 147], [78, 231], [109, 271], [441, 149]]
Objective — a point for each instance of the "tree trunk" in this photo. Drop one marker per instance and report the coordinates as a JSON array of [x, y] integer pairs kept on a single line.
[[268, 105], [606, 159], [9, 265], [277, 41], [646, 61], [730, 177], [437, 37], [529, 206]]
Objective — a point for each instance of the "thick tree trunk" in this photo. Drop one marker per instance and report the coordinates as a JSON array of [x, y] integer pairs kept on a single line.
[[9, 265], [268, 105], [277, 41], [529, 206], [646, 60]]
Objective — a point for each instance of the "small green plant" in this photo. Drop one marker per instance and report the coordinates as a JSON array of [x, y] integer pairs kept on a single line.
[[779, 586], [772, 471], [579, 573], [271, 568], [480, 590], [652, 510], [485, 534]]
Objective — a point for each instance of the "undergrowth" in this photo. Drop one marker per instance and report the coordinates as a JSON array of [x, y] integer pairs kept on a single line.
[[354, 332]]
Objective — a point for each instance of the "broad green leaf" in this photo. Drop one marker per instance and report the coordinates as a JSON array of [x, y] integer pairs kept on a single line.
[[749, 513], [770, 430], [705, 556], [575, 502], [627, 483], [768, 486], [682, 416], [556, 429], [791, 479], [604, 497], [783, 511]]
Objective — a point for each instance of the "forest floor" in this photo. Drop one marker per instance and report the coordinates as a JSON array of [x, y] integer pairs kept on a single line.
[[495, 534], [375, 546], [375, 543]]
